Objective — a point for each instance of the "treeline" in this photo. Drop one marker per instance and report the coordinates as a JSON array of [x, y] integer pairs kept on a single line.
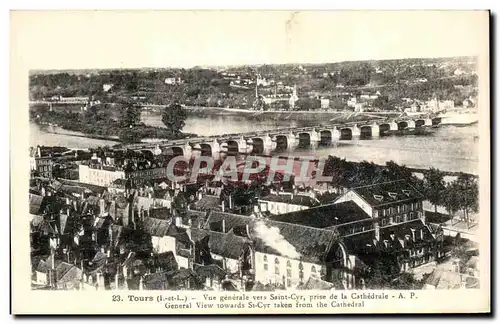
[[460, 195], [122, 120], [208, 87]]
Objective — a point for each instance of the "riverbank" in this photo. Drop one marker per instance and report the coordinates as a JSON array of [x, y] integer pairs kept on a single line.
[[99, 124], [317, 117]]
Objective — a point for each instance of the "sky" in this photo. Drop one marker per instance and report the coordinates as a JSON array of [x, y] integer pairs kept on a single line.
[[134, 39]]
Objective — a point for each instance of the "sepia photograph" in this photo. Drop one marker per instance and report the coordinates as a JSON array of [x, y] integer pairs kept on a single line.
[[251, 161]]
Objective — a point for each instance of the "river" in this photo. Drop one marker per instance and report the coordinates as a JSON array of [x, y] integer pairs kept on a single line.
[[449, 148]]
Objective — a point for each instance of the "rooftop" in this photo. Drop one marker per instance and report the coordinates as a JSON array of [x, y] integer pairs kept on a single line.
[[324, 216], [310, 244], [388, 193]]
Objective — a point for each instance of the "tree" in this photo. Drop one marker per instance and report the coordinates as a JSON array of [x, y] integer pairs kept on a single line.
[[131, 115], [395, 171], [434, 186], [174, 118], [468, 190], [450, 199]]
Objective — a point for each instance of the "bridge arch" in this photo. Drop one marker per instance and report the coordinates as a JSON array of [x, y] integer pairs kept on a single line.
[[366, 131], [419, 123], [325, 137], [384, 128], [304, 139], [281, 142], [402, 125], [258, 145], [346, 133], [206, 149], [174, 151], [232, 147]]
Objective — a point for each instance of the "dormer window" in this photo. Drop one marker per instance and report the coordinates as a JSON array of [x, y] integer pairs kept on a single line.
[[393, 195], [378, 197], [386, 243], [406, 192]]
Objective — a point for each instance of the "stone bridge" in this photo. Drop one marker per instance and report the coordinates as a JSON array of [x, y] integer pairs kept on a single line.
[[282, 139]]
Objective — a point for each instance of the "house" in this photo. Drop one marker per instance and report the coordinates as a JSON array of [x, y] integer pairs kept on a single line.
[[346, 217], [99, 174], [389, 202], [40, 163], [106, 87], [325, 103], [281, 203], [118, 186], [396, 226], [277, 253], [173, 81], [167, 237], [57, 274]]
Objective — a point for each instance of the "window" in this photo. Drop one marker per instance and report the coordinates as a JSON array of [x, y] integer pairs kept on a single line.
[[289, 273], [266, 267], [276, 266], [313, 271], [398, 219], [288, 283]]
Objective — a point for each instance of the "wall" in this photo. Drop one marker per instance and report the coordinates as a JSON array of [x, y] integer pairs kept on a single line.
[[163, 244], [231, 265], [277, 208], [98, 176], [269, 276]]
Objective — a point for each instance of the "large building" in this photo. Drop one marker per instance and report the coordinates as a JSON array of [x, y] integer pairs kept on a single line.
[[99, 174], [41, 164]]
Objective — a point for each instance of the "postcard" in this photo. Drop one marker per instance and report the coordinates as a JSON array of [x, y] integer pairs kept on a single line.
[[250, 162]]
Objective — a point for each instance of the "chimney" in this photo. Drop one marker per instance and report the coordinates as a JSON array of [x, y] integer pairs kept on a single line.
[[223, 226], [223, 205], [52, 260], [413, 234], [102, 206], [421, 233]]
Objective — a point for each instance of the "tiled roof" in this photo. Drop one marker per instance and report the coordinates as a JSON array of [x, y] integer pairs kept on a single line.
[[91, 187], [226, 244], [39, 224], [207, 202], [400, 231], [37, 203], [209, 271], [324, 216], [159, 227], [311, 244], [388, 193], [314, 283], [166, 261], [160, 213]]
